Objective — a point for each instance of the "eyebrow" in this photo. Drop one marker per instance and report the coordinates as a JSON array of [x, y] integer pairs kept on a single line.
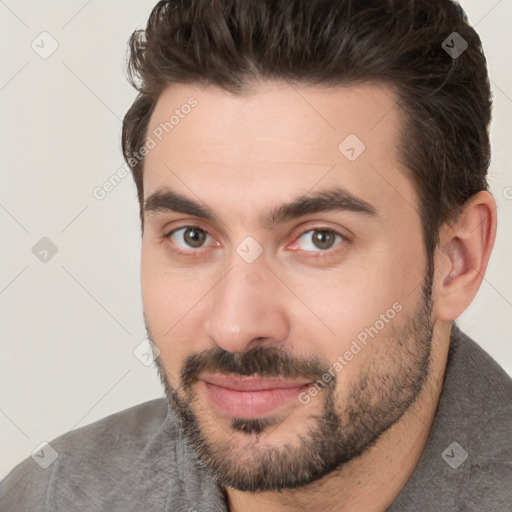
[[329, 200]]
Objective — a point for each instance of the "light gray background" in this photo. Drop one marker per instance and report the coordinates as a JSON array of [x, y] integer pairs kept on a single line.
[[70, 325]]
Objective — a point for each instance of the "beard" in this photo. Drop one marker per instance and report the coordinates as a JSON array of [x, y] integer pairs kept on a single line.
[[347, 425]]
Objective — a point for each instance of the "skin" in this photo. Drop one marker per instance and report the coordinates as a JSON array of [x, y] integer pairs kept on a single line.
[[242, 156]]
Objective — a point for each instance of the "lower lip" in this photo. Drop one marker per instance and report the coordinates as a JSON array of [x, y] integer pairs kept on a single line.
[[251, 404]]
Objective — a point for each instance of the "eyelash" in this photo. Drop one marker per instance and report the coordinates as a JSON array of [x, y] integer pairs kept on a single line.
[[315, 254]]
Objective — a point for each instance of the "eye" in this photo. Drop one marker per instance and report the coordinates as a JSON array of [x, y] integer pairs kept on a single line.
[[188, 237], [319, 239], [189, 240]]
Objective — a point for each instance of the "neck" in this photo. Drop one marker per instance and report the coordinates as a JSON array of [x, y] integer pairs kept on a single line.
[[372, 481]]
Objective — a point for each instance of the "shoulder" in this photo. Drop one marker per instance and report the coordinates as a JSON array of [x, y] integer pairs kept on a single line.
[[467, 462], [476, 392], [488, 476], [86, 460], [116, 434], [477, 413]]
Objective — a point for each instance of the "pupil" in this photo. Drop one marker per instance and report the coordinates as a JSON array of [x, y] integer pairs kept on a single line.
[[324, 239], [195, 237]]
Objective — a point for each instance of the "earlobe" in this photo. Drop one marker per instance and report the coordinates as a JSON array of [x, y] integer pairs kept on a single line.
[[462, 256]]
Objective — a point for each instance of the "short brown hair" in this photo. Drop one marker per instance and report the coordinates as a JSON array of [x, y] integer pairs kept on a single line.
[[446, 101]]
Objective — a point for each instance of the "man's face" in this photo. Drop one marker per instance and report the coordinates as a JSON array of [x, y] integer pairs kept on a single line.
[[286, 348]]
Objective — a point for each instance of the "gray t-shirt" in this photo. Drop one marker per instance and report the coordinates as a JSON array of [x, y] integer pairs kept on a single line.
[[137, 460]]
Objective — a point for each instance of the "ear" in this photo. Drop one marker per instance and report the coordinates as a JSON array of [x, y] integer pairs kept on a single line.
[[462, 256]]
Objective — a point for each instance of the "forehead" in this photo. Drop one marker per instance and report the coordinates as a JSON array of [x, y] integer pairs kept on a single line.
[[277, 139]]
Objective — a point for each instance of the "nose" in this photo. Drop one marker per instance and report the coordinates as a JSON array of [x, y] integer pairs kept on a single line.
[[247, 308]]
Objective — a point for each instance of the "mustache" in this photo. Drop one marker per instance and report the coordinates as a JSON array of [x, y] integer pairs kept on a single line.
[[259, 361]]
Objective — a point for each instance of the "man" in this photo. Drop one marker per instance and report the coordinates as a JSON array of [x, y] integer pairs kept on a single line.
[[315, 217]]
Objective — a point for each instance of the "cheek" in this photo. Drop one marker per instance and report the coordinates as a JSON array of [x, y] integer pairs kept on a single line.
[[359, 301], [155, 296], [162, 312], [162, 289], [172, 308]]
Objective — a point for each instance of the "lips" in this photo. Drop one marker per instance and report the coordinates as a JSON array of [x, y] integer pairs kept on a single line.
[[250, 397]]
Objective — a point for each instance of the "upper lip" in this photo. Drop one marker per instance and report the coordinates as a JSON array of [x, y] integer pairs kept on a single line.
[[251, 383]]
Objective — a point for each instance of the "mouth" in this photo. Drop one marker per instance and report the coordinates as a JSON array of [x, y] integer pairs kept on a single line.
[[250, 397]]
